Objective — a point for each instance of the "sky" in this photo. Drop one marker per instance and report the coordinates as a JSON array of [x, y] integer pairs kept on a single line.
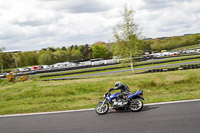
[[35, 24]]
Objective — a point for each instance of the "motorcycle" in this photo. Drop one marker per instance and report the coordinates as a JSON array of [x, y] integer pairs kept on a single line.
[[132, 101]]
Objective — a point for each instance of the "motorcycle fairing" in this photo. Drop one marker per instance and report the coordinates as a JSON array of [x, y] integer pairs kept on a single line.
[[115, 95]]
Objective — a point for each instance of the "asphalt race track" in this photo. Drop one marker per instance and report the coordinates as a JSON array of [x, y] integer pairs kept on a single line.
[[164, 118]]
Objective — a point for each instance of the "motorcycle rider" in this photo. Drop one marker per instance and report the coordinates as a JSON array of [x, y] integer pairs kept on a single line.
[[124, 90]]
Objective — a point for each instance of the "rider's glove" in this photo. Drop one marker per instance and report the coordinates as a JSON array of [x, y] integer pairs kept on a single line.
[[111, 89]]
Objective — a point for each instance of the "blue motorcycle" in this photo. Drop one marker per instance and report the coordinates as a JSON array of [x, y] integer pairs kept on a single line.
[[132, 101]]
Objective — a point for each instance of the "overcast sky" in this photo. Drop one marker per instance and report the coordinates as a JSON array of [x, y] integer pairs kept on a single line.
[[35, 24]]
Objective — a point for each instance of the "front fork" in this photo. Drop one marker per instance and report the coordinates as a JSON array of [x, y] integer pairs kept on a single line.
[[103, 103]]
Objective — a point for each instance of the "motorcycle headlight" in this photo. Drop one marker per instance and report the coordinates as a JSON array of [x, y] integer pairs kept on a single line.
[[105, 95]]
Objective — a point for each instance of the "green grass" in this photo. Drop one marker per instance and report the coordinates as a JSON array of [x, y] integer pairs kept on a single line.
[[187, 47], [40, 96]]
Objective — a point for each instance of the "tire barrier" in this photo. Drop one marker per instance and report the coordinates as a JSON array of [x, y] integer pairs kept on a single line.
[[182, 67], [61, 79]]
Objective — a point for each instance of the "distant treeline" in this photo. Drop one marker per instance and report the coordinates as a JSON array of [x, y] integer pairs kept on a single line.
[[170, 43], [50, 55]]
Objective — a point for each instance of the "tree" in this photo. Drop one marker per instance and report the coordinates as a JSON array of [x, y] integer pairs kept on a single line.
[[127, 37], [7, 60], [30, 58], [45, 59], [1, 59], [52, 49], [63, 48], [59, 56], [86, 51], [76, 54], [19, 59], [99, 51]]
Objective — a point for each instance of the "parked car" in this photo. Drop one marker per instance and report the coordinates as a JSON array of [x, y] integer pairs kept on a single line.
[[110, 61], [23, 69], [176, 53], [166, 53], [147, 57], [2, 75], [45, 67], [65, 65], [36, 67], [187, 51], [85, 63], [30, 68], [96, 63], [155, 55]]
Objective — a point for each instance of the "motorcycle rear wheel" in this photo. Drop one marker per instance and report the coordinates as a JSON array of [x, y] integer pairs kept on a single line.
[[136, 105], [102, 109]]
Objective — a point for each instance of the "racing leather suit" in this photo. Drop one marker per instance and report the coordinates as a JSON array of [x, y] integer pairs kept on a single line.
[[124, 90]]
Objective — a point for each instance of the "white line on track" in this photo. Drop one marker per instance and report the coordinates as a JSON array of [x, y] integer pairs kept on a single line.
[[58, 112]]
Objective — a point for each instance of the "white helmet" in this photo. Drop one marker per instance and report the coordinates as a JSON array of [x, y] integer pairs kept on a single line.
[[118, 84]]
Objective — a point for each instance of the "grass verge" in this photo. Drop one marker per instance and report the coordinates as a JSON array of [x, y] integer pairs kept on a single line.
[[187, 47], [38, 96]]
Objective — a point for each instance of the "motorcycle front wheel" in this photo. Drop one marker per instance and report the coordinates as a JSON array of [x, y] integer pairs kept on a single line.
[[102, 108], [136, 105]]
